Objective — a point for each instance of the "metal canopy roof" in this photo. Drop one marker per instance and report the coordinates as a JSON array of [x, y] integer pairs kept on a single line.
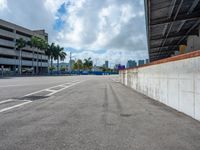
[[169, 23]]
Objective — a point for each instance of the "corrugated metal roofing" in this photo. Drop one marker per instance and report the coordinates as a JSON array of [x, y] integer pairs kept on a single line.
[[169, 23]]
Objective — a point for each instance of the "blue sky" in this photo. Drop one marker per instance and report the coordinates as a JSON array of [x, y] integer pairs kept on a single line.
[[111, 30], [59, 22]]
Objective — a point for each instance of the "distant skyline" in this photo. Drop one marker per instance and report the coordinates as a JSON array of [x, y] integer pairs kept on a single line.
[[111, 30]]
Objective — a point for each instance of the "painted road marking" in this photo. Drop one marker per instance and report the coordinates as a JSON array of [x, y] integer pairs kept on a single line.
[[9, 100], [29, 101], [53, 91], [48, 90], [15, 106], [14, 85], [63, 88]]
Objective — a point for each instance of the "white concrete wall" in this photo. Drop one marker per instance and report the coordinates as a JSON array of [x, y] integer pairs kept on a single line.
[[176, 84]]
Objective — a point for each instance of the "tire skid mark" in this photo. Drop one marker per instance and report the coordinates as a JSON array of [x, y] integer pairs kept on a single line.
[[105, 105], [116, 98]]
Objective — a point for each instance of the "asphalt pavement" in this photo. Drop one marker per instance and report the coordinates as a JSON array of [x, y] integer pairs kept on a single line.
[[88, 113]]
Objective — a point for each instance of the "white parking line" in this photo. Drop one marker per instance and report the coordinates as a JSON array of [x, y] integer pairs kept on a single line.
[[9, 100], [15, 106], [53, 91], [14, 85], [63, 88], [47, 89]]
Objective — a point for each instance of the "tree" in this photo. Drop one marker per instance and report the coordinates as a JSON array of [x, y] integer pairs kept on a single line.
[[79, 64], [63, 68], [75, 66], [51, 68], [43, 44], [20, 43], [88, 63], [39, 44], [50, 52], [53, 52], [59, 54]]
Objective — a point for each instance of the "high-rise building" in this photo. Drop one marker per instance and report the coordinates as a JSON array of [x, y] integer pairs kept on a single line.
[[140, 62], [147, 61], [31, 59], [131, 63], [106, 64]]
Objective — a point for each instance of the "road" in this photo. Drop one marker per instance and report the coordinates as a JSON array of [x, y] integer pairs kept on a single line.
[[88, 113]]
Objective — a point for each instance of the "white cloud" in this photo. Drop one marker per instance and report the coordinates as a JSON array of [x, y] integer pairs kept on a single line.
[[114, 56], [106, 25], [116, 26], [35, 14], [53, 5], [3, 5]]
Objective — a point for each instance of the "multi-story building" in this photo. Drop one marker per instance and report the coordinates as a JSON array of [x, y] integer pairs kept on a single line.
[[32, 60], [106, 63], [147, 61], [140, 62], [131, 63]]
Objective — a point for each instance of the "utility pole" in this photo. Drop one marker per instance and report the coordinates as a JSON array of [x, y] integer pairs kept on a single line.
[[70, 62], [70, 65], [120, 58]]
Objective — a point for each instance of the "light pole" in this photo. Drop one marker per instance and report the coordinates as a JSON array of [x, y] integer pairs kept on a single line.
[[70, 62], [70, 59]]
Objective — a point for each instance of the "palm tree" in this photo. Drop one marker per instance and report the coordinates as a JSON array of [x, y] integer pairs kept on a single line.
[[59, 54], [43, 45], [20, 43], [88, 63], [50, 53], [79, 64], [75, 66], [33, 43], [39, 44]]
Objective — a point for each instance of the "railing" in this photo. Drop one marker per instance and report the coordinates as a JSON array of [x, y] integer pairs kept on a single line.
[[6, 51], [9, 61], [7, 43], [7, 33]]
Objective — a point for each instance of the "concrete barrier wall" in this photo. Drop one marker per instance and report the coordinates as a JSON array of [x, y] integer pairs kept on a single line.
[[175, 83]]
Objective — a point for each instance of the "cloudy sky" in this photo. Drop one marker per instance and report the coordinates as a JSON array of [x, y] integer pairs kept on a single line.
[[111, 30]]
